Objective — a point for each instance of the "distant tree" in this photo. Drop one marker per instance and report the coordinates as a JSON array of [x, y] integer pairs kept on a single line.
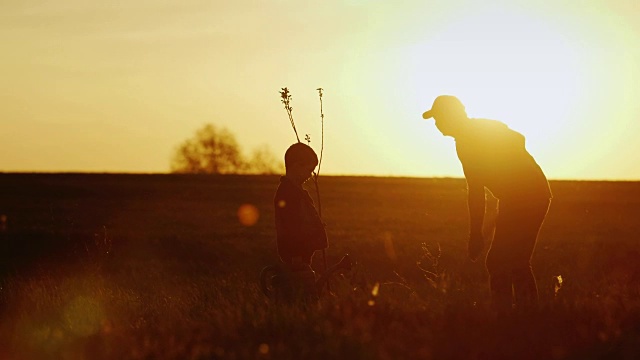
[[214, 150], [263, 161], [210, 151]]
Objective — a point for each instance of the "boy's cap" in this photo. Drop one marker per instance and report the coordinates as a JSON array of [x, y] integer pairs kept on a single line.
[[443, 104]]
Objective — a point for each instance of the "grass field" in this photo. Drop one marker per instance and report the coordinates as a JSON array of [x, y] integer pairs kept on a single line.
[[160, 266]]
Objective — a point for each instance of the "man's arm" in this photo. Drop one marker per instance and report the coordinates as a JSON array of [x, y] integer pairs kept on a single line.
[[476, 203], [471, 163]]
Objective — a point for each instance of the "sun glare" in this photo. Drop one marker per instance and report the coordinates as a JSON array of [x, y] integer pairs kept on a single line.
[[505, 65]]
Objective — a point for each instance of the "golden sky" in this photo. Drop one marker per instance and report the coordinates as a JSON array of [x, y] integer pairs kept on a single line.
[[116, 85]]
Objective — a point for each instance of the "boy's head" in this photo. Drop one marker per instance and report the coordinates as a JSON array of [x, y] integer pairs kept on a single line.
[[300, 160]]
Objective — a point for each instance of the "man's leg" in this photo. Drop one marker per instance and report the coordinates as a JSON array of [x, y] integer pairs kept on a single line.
[[530, 218], [501, 292], [525, 288], [500, 283], [509, 258]]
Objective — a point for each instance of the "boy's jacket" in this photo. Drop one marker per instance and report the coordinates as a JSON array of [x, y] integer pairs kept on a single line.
[[299, 228]]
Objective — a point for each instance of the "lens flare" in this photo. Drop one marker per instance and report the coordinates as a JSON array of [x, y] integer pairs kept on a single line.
[[248, 215], [375, 290], [389, 248]]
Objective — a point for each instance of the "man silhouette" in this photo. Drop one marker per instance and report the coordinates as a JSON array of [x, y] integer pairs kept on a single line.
[[494, 157]]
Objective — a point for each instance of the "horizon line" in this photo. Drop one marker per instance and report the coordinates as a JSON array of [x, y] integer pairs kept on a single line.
[[71, 172]]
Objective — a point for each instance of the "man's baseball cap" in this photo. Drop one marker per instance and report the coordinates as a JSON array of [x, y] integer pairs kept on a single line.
[[444, 104]]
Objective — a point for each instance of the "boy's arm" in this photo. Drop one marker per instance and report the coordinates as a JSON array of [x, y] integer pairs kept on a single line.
[[289, 225], [315, 229], [320, 236]]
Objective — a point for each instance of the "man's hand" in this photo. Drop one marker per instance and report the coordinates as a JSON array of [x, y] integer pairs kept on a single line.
[[476, 245]]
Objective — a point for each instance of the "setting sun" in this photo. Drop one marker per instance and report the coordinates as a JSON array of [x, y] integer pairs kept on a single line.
[[505, 65]]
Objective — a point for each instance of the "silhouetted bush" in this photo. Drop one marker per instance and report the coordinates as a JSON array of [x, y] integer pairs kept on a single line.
[[214, 150]]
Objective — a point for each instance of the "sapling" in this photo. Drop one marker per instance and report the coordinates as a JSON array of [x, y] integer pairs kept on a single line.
[[286, 100]]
